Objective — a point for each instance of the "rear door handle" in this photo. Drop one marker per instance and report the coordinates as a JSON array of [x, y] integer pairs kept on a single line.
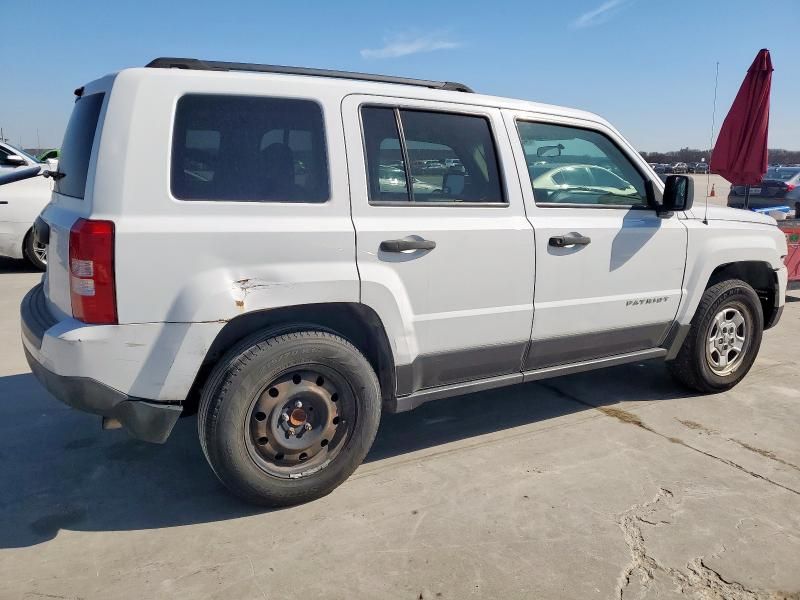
[[401, 245], [570, 239]]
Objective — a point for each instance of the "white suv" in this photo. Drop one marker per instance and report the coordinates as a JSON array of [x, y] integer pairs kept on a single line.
[[221, 240]]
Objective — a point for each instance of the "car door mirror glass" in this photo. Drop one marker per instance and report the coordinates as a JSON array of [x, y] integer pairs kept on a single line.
[[678, 193], [15, 160]]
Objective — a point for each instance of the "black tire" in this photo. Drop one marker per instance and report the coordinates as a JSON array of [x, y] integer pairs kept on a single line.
[[244, 376], [30, 252], [692, 367]]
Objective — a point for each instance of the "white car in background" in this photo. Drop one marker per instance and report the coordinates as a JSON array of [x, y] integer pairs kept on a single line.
[[13, 159], [23, 195]]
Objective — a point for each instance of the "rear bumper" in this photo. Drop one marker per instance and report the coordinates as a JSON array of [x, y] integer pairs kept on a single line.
[[58, 353], [148, 421]]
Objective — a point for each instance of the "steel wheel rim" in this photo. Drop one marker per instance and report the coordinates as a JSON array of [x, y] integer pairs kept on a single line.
[[40, 250], [298, 423], [727, 341]]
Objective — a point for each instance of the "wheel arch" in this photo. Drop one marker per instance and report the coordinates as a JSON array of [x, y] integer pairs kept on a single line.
[[757, 274], [358, 323]]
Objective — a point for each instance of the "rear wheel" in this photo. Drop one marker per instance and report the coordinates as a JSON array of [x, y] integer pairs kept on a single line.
[[286, 419], [724, 338], [35, 253]]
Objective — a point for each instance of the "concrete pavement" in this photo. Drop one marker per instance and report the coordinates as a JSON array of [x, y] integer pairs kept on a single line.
[[599, 485]]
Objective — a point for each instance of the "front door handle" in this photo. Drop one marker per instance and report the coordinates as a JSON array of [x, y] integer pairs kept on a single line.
[[401, 245], [570, 239]]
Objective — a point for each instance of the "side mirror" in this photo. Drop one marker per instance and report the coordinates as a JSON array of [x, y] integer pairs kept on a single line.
[[678, 194], [15, 160]]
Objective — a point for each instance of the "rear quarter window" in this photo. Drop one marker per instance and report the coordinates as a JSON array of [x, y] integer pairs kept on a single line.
[[76, 150], [248, 149]]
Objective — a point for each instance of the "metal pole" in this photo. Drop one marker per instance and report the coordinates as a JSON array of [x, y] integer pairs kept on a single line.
[[747, 196]]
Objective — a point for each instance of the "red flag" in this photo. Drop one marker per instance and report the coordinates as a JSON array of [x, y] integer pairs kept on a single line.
[[740, 154]]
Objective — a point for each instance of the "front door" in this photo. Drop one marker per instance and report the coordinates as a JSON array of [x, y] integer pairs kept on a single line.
[[609, 270], [444, 250]]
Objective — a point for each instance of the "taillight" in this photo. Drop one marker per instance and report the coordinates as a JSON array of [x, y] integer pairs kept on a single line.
[[91, 270], [790, 186]]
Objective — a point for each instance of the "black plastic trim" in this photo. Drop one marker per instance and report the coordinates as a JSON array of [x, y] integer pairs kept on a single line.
[[41, 231], [195, 64], [414, 400], [675, 338], [144, 419], [35, 317], [775, 317], [589, 346], [433, 370]]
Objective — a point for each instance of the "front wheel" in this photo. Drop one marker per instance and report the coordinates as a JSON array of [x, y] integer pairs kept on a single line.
[[286, 419], [724, 339]]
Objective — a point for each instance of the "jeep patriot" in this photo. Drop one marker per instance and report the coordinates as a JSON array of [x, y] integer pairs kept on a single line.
[[263, 246]]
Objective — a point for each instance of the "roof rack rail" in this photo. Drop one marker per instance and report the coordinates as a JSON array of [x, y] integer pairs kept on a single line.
[[213, 65]]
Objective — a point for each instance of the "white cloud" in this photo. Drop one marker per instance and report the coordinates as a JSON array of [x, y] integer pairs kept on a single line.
[[598, 15], [404, 45]]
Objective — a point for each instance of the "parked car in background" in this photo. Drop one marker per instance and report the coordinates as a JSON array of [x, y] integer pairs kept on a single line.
[[393, 180], [50, 157], [454, 164], [779, 187], [13, 159], [21, 201], [701, 168], [679, 168]]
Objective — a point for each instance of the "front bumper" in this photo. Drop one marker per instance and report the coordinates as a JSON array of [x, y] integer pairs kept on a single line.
[[144, 419]]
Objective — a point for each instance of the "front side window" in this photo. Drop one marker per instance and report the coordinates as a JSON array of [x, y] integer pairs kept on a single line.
[[440, 157], [249, 149], [570, 165]]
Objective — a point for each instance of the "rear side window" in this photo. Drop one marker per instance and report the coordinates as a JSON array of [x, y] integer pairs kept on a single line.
[[248, 149], [438, 157], [76, 150]]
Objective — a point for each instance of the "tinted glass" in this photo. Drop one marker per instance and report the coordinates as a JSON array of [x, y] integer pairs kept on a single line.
[[76, 150], [385, 167], [249, 149], [568, 165], [781, 174], [452, 157]]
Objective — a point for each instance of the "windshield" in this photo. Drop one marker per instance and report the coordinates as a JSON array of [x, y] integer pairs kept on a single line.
[[782, 174]]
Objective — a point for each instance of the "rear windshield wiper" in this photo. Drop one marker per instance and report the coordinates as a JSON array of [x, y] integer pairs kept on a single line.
[[54, 175]]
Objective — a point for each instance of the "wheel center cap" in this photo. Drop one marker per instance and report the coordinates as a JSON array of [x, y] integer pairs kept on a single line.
[[297, 417]]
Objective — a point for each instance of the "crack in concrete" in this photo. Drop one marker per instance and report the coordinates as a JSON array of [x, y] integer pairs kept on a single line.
[[761, 451], [628, 417], [699, 580]]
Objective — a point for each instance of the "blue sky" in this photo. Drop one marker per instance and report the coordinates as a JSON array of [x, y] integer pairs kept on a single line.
[[646, 66]]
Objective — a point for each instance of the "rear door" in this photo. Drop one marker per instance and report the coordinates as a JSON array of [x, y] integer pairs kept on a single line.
[[445, 254], [609, 271]]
